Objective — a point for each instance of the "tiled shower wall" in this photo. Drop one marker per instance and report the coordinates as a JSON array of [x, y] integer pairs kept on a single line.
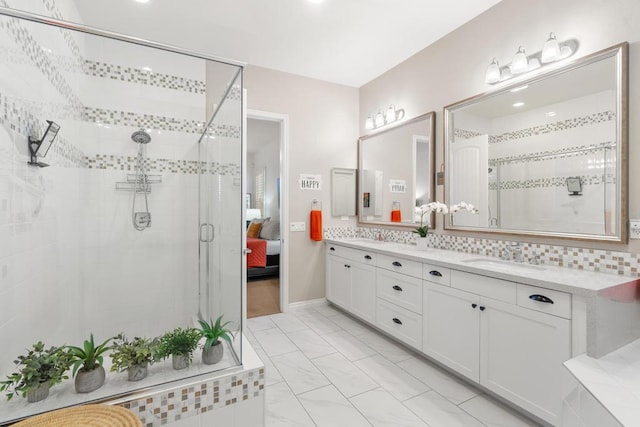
[[71, 262]]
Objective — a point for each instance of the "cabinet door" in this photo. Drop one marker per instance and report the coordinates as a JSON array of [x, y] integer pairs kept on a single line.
[[339, 281], [451, 328], [521, 356], [363, 291]]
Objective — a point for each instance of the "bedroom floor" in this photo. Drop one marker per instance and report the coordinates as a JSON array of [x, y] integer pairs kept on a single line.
[[263, 296]]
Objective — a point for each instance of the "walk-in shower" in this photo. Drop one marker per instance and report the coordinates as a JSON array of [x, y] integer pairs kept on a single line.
[[141, 218], [138, 139]]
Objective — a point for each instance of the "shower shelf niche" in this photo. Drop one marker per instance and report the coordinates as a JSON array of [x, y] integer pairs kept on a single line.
[[133, 183]]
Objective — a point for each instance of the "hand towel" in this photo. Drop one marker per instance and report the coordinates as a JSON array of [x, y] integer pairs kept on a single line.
[[315, 225], [396, 216]]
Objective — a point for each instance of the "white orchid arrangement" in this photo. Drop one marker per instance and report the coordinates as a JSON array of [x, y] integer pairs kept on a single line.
[[438, 207]]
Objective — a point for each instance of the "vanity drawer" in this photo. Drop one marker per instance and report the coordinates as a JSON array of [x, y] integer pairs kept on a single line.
[[545, 300], [357, 255], [501, 290], [400, 289], [436, 274], [400, 265], [402, 324]]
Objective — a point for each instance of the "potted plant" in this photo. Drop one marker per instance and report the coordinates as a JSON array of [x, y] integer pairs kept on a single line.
[[38, 370], [134, 356], [87, 365], [423, 230], [180, 344], [212, 350]]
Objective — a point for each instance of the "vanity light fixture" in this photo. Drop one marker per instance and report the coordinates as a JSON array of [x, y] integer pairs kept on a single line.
[[368, 124], [521, 63], [390, 116], [380, 119]]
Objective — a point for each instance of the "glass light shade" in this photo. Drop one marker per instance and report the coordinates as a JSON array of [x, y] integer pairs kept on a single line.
[[368, 124], [379, 119], [550, 50], [391, 114], [520, 62], [493, 72]]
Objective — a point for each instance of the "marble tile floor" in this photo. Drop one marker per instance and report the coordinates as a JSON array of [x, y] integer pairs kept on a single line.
[[325, 368]]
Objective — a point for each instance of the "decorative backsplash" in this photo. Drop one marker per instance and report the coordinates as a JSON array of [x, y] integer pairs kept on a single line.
[[614, 262]]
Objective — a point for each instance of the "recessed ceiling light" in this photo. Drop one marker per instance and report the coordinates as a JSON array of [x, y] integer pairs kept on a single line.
[[550, 114], [518, 104], [142, 1], [316, 1]]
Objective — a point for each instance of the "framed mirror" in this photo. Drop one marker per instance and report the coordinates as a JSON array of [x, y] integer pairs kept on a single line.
[[544, 156], [343, 192], [395, 172]]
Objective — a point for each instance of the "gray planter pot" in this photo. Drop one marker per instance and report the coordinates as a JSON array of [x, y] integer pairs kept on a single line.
[[137, 372], [214, 354], [179, 361], [39, 393], [88, 381]]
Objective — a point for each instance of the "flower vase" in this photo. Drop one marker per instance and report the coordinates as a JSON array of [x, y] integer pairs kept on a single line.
[[422, 243]]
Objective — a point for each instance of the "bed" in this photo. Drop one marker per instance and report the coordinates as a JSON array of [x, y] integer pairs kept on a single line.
[[264, 258]]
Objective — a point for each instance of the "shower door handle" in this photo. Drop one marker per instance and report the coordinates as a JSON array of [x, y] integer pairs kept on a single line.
[[206, 232]]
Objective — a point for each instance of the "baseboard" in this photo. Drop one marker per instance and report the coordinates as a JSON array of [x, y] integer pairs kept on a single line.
[[307, 304]]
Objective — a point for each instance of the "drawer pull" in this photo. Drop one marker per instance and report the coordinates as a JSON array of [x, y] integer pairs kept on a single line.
[[397, 288], [397, 321], [332, 248], [482, 308], [435, 273], [396, 263], [367, 257], [541, 298], [474, 305]]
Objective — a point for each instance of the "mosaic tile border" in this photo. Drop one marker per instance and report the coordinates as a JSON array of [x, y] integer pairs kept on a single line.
[[550, 182], [159, 165], [597, 260], [561, 153], [184, 402]]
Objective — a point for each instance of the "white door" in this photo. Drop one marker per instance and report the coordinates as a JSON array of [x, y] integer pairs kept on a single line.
[[521, 356], [451, 328], [339, 281], [470, 167], [363, 291]]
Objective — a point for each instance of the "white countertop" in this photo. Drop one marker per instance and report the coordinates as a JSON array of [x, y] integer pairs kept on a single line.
[[578, 282], [614, 380]]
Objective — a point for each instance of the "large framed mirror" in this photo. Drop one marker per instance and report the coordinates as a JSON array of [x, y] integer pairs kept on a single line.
[[395, 172], [544, 156]]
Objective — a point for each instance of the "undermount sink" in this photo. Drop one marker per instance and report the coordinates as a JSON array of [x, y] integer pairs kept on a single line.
[[363, 240], [502, 265]]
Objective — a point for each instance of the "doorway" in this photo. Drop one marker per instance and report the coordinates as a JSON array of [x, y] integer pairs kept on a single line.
[[265, 203]]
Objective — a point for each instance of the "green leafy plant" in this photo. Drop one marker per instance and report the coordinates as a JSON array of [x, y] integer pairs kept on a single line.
[[38, 366], [89, 356], [212, 332], [126, 353], [179, 342]]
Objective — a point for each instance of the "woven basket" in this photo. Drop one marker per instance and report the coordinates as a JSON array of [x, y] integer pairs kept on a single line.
[[84, 416]]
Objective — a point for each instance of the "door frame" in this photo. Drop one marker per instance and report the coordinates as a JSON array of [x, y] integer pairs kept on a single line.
[[283, 119]]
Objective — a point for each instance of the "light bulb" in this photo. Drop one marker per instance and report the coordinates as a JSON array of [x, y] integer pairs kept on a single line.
[[550, 50], [379, 119], [493, 72], [391, 114], [368, 124], [520, 62]]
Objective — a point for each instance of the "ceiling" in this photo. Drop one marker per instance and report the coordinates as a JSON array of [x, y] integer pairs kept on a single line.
[[348, 42]]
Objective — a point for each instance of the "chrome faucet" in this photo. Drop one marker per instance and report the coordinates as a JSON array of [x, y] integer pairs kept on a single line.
[[515, 252]]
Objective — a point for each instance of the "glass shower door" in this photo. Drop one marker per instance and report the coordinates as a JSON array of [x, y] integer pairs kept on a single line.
[[220, 206]]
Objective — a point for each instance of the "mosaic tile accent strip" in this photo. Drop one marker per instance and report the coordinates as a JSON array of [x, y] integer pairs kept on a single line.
[[597, 260], [465, 134], [561, 153], [159, 165], [551, 182], [143, 77], [185, 402]]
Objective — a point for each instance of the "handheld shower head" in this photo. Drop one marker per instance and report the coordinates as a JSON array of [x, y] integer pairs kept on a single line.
[[140, 137]]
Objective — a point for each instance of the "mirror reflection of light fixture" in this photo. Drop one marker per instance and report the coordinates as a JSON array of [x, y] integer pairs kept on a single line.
[[379, 119], [390, 116], [521, 63], [368, 124], [40, 147]]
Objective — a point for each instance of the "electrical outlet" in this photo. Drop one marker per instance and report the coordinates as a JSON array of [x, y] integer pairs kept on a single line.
[[634, 229], [297, 226]]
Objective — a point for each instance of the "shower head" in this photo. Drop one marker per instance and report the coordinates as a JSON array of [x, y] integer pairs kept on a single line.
[[141, 137]]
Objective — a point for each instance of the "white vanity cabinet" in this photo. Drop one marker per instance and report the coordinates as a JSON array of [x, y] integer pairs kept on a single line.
[[351, 280], [492, 332]]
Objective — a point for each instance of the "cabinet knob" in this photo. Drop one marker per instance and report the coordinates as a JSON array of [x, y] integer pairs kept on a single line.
[[332, 248], [367, 257], [482, 308], [435, 273], [397, 321], [474, 305], [541, 298], [397, 288], [396, 263]]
